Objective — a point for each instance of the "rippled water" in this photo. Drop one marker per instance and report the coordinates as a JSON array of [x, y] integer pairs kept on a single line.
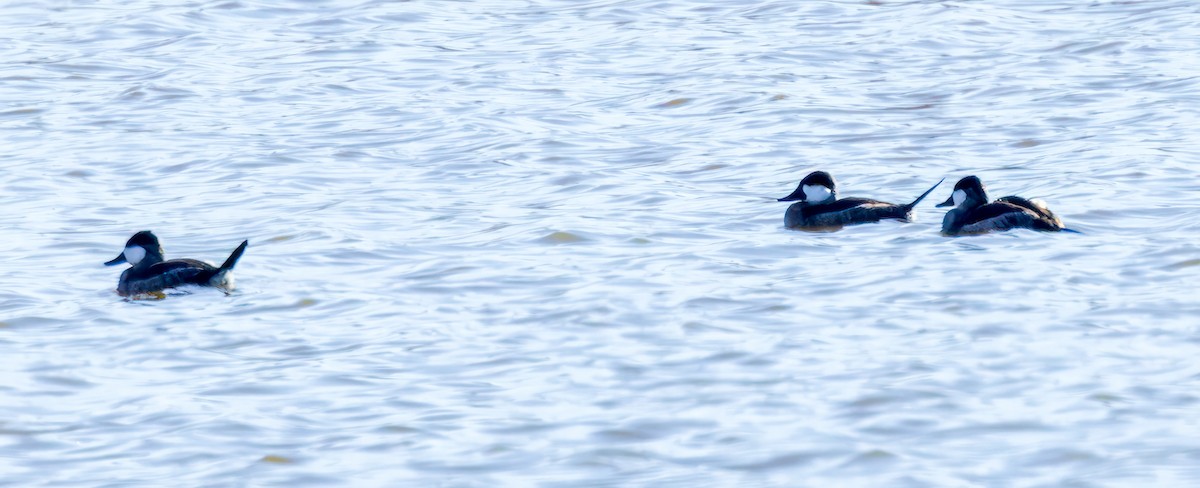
[[536, 243]]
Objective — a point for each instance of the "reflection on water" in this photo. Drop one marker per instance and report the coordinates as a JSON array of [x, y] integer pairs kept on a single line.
[[535, 243]]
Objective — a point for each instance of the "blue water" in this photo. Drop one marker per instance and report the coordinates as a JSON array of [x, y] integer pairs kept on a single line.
[[537, 243]]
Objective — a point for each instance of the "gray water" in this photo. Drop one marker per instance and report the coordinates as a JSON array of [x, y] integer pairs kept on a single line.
[[502, 243]]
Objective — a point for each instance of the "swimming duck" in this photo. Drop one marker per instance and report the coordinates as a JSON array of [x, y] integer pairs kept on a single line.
[[972, 214], [149, 273], [817, 205]]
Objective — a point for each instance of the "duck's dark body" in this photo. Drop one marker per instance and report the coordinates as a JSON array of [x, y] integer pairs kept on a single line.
[[171, 274], [973, 215], [843, 212], [998, 216], [151, 273]]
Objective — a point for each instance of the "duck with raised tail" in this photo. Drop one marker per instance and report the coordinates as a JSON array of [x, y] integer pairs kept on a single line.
[[818, 207], [151, 273]]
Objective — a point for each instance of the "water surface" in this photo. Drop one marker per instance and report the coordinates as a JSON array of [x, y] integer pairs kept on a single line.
[[536, 243]]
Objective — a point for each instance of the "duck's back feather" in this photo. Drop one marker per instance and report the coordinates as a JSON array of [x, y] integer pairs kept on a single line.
[[842, 212], [1001, 216], [167, 274], [1034, 206]]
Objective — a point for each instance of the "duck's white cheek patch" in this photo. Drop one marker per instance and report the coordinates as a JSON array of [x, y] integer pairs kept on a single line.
[[816, 193], [959, 197], [134, 254]]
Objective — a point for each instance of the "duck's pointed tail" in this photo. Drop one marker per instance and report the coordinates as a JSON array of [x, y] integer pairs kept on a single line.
[[233, 258], [1073, 231], [922, 197]]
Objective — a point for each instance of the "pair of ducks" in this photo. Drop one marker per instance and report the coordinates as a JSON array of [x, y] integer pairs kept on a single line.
[[817, 207]]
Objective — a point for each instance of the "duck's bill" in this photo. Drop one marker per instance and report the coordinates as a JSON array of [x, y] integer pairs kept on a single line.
[[948, 203], [796, 195], [118, 260]]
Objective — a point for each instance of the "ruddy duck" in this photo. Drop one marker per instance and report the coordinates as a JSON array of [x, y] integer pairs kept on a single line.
[[150, 273], [818, 206], [972, 214]]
